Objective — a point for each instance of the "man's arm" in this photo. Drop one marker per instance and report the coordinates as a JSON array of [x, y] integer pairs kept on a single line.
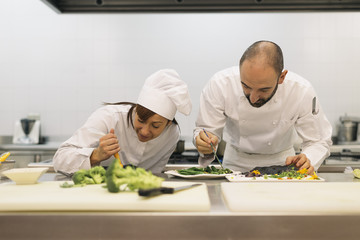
[[315, 130]]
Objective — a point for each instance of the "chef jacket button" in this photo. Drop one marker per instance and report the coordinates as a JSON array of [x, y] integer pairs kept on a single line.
[[274, 122], [269, 143]]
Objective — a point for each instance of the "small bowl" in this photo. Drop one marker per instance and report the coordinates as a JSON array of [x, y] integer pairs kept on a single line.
[[25, 175], [6, 165]]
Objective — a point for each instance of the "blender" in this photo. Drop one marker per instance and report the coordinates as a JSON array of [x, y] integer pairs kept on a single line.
[[27, 131]]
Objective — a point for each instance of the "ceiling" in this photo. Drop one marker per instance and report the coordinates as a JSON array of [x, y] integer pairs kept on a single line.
[[104, 6]]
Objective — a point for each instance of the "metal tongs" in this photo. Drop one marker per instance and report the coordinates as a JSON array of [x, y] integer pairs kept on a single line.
[[213, 149]]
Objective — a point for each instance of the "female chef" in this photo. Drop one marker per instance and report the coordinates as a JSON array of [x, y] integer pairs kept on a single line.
[[144, 134]]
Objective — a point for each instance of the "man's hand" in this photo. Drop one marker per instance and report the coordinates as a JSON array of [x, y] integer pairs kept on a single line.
[[300, 161], [108, 146], [203, 142]]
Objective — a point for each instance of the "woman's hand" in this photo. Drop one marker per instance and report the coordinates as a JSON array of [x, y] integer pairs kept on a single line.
[[108, 146], [301, 162], [203, 142]]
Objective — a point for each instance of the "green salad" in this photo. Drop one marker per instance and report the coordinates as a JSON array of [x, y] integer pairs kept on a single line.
[[207, 170]]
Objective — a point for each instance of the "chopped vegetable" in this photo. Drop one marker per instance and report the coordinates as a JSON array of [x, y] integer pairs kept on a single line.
[[81, 177], [132, 179], [70, 185], [95, 175]]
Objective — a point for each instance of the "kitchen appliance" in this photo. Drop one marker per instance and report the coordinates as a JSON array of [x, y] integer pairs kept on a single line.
[[27, 131], [349, 130]]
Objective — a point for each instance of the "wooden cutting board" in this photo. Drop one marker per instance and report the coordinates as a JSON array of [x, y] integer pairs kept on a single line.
[[49, 196], [323, 197]]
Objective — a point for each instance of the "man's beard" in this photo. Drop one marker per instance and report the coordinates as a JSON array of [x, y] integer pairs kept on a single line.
[[261, 102]]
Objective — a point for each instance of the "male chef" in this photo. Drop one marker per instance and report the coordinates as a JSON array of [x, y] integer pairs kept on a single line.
[[260, 110]]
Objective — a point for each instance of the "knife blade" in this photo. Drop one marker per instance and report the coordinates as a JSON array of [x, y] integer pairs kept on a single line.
[[152, 192]]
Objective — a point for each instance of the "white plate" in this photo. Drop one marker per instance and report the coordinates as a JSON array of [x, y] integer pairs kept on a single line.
[[242, 178], [198, 176]]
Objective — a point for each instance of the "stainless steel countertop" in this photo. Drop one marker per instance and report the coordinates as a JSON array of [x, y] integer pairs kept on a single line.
[[218, 223], [51, 143], [50, 146]]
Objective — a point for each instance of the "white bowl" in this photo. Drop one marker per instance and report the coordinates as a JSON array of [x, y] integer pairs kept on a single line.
[[6, 165], [25, 175]]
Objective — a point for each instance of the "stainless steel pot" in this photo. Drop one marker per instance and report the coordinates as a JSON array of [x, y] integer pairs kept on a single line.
[[348, 129]]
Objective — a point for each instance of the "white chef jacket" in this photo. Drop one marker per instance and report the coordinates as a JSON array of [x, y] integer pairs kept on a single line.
[[263, 136], [74, 154]]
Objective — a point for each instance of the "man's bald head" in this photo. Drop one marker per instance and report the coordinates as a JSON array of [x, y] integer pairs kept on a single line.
[[266, 51]]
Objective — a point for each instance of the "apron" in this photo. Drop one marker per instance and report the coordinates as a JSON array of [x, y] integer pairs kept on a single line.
[[237, 160]]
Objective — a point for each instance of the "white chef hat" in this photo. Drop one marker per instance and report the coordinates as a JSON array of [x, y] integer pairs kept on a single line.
[[164, 93]]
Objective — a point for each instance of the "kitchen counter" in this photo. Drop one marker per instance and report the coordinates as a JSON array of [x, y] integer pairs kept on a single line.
[[29, 155], [218, 223], [49, 146], [51, 143], [23, 154]]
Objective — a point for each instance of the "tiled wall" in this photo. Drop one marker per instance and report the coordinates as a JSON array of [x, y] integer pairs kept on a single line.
[[64, 66]]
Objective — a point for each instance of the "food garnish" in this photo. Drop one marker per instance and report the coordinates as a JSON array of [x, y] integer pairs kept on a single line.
[[314, 177], [285, 175]]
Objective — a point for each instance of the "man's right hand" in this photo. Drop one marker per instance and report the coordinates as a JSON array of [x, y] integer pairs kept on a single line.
[[203, 142], [108, 146]]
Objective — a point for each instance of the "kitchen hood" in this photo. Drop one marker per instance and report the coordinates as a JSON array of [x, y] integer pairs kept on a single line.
[[104, 6]]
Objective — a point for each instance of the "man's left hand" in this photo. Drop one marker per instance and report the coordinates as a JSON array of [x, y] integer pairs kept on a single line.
[[301, 162]]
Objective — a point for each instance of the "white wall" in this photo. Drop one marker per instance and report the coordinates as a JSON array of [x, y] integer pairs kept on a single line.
[[64, 66]]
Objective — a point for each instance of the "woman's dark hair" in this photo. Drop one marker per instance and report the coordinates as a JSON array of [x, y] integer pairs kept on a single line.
[[143, 112]]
